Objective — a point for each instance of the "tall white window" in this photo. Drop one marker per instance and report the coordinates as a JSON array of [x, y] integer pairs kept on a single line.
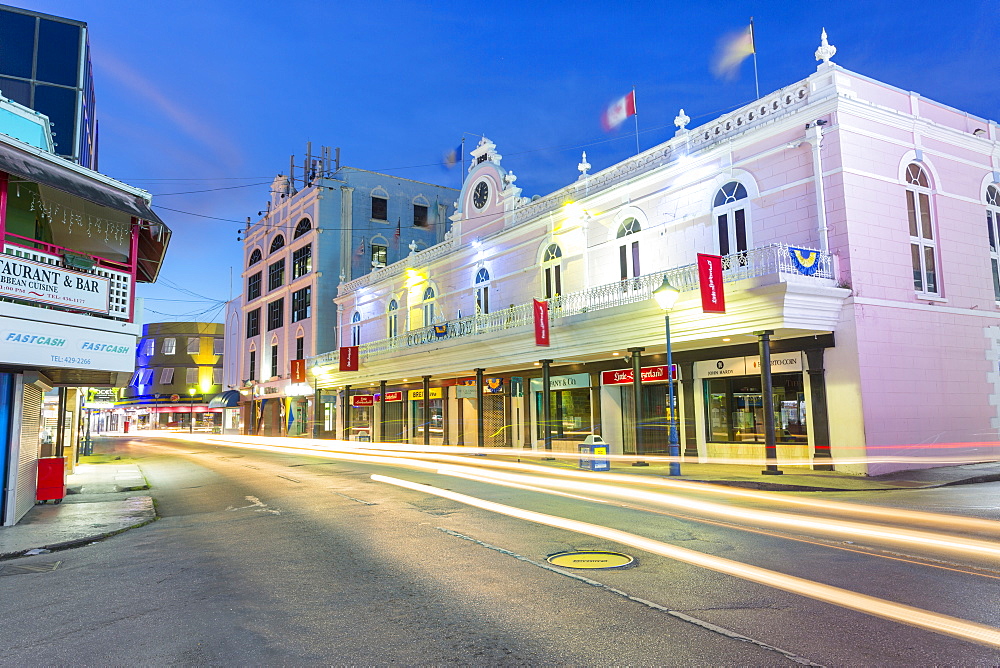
[[730, 209], [167, 376], [428, 306], [356, 329], [218, 346], [993, 228], [628, 253], [191, 375], [217, 375], [482, 291], [923, 249], [552, 271], [194, 345], [169, 346], [393, 319]]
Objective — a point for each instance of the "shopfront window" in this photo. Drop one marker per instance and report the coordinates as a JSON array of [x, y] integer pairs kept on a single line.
[[570, 414], [736, 415]]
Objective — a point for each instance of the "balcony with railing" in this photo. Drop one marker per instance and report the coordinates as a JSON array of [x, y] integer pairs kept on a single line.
[[785, 262]]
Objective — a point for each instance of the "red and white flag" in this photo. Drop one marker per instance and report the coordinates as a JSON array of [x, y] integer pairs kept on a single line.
[[616, 114]]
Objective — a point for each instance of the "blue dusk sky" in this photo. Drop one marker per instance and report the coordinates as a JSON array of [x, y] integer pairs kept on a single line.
[[202, 103]]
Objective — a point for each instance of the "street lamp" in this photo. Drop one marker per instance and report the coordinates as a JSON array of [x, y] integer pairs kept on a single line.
[[191, 391], [666, 296]]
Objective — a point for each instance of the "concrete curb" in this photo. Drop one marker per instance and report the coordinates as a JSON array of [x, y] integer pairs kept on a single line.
[[76, 542]]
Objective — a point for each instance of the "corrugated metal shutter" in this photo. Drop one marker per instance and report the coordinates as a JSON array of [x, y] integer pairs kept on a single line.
[[27, 458]]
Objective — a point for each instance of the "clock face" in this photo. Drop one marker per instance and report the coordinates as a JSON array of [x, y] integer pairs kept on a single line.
[[480, 194]]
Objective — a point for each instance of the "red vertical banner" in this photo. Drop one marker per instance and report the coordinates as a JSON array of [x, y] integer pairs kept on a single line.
[[348, 358], [298, 371], [713, 298], [541, 322]]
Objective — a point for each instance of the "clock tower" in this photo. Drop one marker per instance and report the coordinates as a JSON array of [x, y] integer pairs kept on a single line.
[[486, 196]]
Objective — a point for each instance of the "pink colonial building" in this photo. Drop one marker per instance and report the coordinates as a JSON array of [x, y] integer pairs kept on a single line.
[[850, 218]]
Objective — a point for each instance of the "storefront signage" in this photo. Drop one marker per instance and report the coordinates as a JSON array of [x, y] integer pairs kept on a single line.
[[713, 298], [418, 395], [363, 400], [562, 382], [298, 371], [747, 366], [48, 284], [649, 374], [393, 396], [29, 343], [465, 391]]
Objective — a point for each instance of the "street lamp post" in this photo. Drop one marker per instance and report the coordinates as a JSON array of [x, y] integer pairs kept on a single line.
[[666, 296], [191, 406]]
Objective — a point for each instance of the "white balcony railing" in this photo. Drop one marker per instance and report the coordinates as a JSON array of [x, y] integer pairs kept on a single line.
[[764, 261]]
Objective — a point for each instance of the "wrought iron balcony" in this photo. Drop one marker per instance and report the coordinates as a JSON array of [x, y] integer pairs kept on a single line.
[[764, 261]]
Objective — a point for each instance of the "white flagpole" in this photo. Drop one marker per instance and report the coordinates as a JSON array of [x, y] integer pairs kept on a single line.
[[636, 116], [753, 45]]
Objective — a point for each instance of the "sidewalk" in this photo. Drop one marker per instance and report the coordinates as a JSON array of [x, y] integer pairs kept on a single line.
[[100, 502]]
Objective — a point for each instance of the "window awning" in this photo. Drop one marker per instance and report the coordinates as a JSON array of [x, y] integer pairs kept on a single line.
[[227, 399], [153, 235]]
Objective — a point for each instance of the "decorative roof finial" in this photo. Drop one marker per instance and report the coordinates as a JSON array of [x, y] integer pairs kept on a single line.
[[826, 50], [681, 121], [583, 166]]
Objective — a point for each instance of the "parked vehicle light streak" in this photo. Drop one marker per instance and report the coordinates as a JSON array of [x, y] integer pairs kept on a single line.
[[898, 612]]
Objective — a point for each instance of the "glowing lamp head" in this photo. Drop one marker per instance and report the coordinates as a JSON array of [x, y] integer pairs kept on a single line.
[[666, 295], [192, 391]]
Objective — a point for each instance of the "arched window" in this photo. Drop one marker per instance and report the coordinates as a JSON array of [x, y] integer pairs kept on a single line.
[[552, 271], [428, 306], [304, 226], [255, 257], [393, 318], [731, 217], [356, 329], [993, 224], [252, 362], [628, 253], [922, 238], [482, 291], [279, 242]]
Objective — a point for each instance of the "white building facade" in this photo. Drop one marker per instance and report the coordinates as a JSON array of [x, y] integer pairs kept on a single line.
[[845, 213]]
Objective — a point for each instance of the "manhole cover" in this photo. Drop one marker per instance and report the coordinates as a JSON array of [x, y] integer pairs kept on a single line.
[[44, 567], [590, 559]]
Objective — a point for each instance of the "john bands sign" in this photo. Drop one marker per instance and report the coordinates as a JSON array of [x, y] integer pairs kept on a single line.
[[44, 283]]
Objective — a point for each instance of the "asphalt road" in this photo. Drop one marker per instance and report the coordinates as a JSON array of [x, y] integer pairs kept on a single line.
[[283, 558]]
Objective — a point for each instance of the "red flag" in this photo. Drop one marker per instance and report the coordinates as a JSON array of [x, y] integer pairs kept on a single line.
[[616, 114], [541, 322], [713, 298], [348, 358]]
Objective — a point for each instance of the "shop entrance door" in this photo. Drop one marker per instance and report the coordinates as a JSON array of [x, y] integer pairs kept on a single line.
[[494, 421], [655, 427], [395, 425]]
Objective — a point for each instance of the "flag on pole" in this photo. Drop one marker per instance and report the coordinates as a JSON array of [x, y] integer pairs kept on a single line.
[[453, 157], [361, 249], [397, 232], [619, 110], [733, 50]]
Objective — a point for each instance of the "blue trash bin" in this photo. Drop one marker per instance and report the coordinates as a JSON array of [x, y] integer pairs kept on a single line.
[[591, 450]]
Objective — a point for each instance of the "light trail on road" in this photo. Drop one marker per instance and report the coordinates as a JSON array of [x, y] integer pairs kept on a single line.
[[924, 539], [932, 621], [430, 459]]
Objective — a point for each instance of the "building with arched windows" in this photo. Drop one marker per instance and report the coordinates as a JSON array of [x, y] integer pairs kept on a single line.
[[844, 213], [329, 225]]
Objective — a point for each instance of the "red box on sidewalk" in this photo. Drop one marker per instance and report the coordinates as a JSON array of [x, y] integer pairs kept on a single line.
[[51, 479]]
